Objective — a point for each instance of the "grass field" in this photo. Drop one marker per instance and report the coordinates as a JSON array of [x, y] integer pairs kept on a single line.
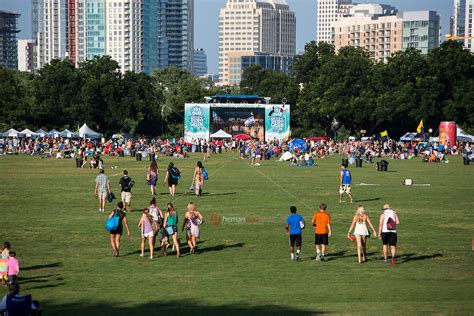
[[49, 214]]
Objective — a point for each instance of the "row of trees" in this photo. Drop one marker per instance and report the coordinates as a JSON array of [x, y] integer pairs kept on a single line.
[[328, 91], [63, 96]]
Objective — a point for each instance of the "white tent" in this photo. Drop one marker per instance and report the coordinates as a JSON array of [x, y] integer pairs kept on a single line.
[[221, 134], [27, 133], [11, 133], [286, 156], [68, 134], [463, 136], [86, 132]]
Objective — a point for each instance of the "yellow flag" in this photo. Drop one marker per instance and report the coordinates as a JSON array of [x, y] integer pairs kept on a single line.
[[420, 127], [384, 133]]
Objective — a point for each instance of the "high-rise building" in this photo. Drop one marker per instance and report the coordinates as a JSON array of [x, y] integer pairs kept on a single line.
[[250, 26], [375, 27], [328, 11], [8, 42], [180, 33], [421, 30], [141, 35], [462, 27], [200, 62], [49, 24], [26, 55], [459, 18], [239, 61]]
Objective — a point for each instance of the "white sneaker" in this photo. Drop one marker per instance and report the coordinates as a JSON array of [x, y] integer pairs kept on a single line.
[[318, 257]]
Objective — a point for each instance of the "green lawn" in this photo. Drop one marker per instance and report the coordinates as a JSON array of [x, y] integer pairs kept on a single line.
[[49, 214]]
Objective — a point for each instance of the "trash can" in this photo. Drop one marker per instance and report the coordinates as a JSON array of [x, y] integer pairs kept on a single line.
[[122, 154], [345, 162], [384, 165], [138, 156], [358, 163], [78, 162], [466, 160]]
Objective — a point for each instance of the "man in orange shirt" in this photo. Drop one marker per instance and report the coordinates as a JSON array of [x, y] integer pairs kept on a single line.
[[322, 223]]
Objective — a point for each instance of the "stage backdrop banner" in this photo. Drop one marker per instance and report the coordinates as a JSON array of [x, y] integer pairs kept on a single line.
[[277, 122], [196, 121]]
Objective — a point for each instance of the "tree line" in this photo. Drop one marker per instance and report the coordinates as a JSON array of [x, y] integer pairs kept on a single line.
[[328, 92]]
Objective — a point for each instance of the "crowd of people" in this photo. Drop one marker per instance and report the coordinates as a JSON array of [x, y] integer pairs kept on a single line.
[[89, 151]]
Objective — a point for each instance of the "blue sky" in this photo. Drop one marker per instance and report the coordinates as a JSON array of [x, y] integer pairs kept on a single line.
[[206, 20]]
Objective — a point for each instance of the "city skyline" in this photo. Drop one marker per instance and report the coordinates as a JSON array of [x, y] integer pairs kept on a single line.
[[207, 20]]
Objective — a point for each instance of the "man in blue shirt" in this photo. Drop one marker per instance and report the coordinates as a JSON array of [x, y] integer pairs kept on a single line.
[[294, 225], [345, 180]]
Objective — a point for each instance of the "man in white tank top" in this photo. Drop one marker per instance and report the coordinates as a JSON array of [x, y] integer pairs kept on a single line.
[[388, 231]]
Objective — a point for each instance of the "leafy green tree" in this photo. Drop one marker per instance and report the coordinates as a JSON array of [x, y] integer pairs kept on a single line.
[[14, 101], [179, 87], [55, 90]]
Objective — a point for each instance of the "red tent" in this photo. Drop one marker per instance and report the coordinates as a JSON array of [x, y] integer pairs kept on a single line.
[[242, 136]]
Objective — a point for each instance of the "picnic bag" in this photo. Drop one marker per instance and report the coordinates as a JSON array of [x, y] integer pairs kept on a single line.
[[113, 222]]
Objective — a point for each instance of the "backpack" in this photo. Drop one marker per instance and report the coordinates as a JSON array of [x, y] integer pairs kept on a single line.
[[175, 173], [126, 184], [205, 174], [391, 225]]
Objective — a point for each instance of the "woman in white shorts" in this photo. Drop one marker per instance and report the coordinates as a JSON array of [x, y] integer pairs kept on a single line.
[[361, 232], [146, 224]]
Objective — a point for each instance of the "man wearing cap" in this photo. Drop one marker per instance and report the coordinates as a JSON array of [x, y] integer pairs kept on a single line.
[[345, 180], [388, 231], [102, 188]]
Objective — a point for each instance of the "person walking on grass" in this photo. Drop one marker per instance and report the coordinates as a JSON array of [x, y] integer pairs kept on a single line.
[[172, 176], [157, 215], [4, 257], [322, 227], [146, 225], [126, 185], [294, 225], [193, 219], [198, 178], [345, 180], [102, 188], [116, 234], [13, 268], [388, 231], [361, 232], [152, 177], [171, 229]]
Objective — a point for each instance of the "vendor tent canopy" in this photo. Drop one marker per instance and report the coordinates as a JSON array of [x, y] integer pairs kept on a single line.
[[286, 156], [27, 133], [41, 133], [408, 137], [221, 134], [463, 136], [297, 143], [242, 136], [53, 133], [11, 133], [68, 134], [86, 132]]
